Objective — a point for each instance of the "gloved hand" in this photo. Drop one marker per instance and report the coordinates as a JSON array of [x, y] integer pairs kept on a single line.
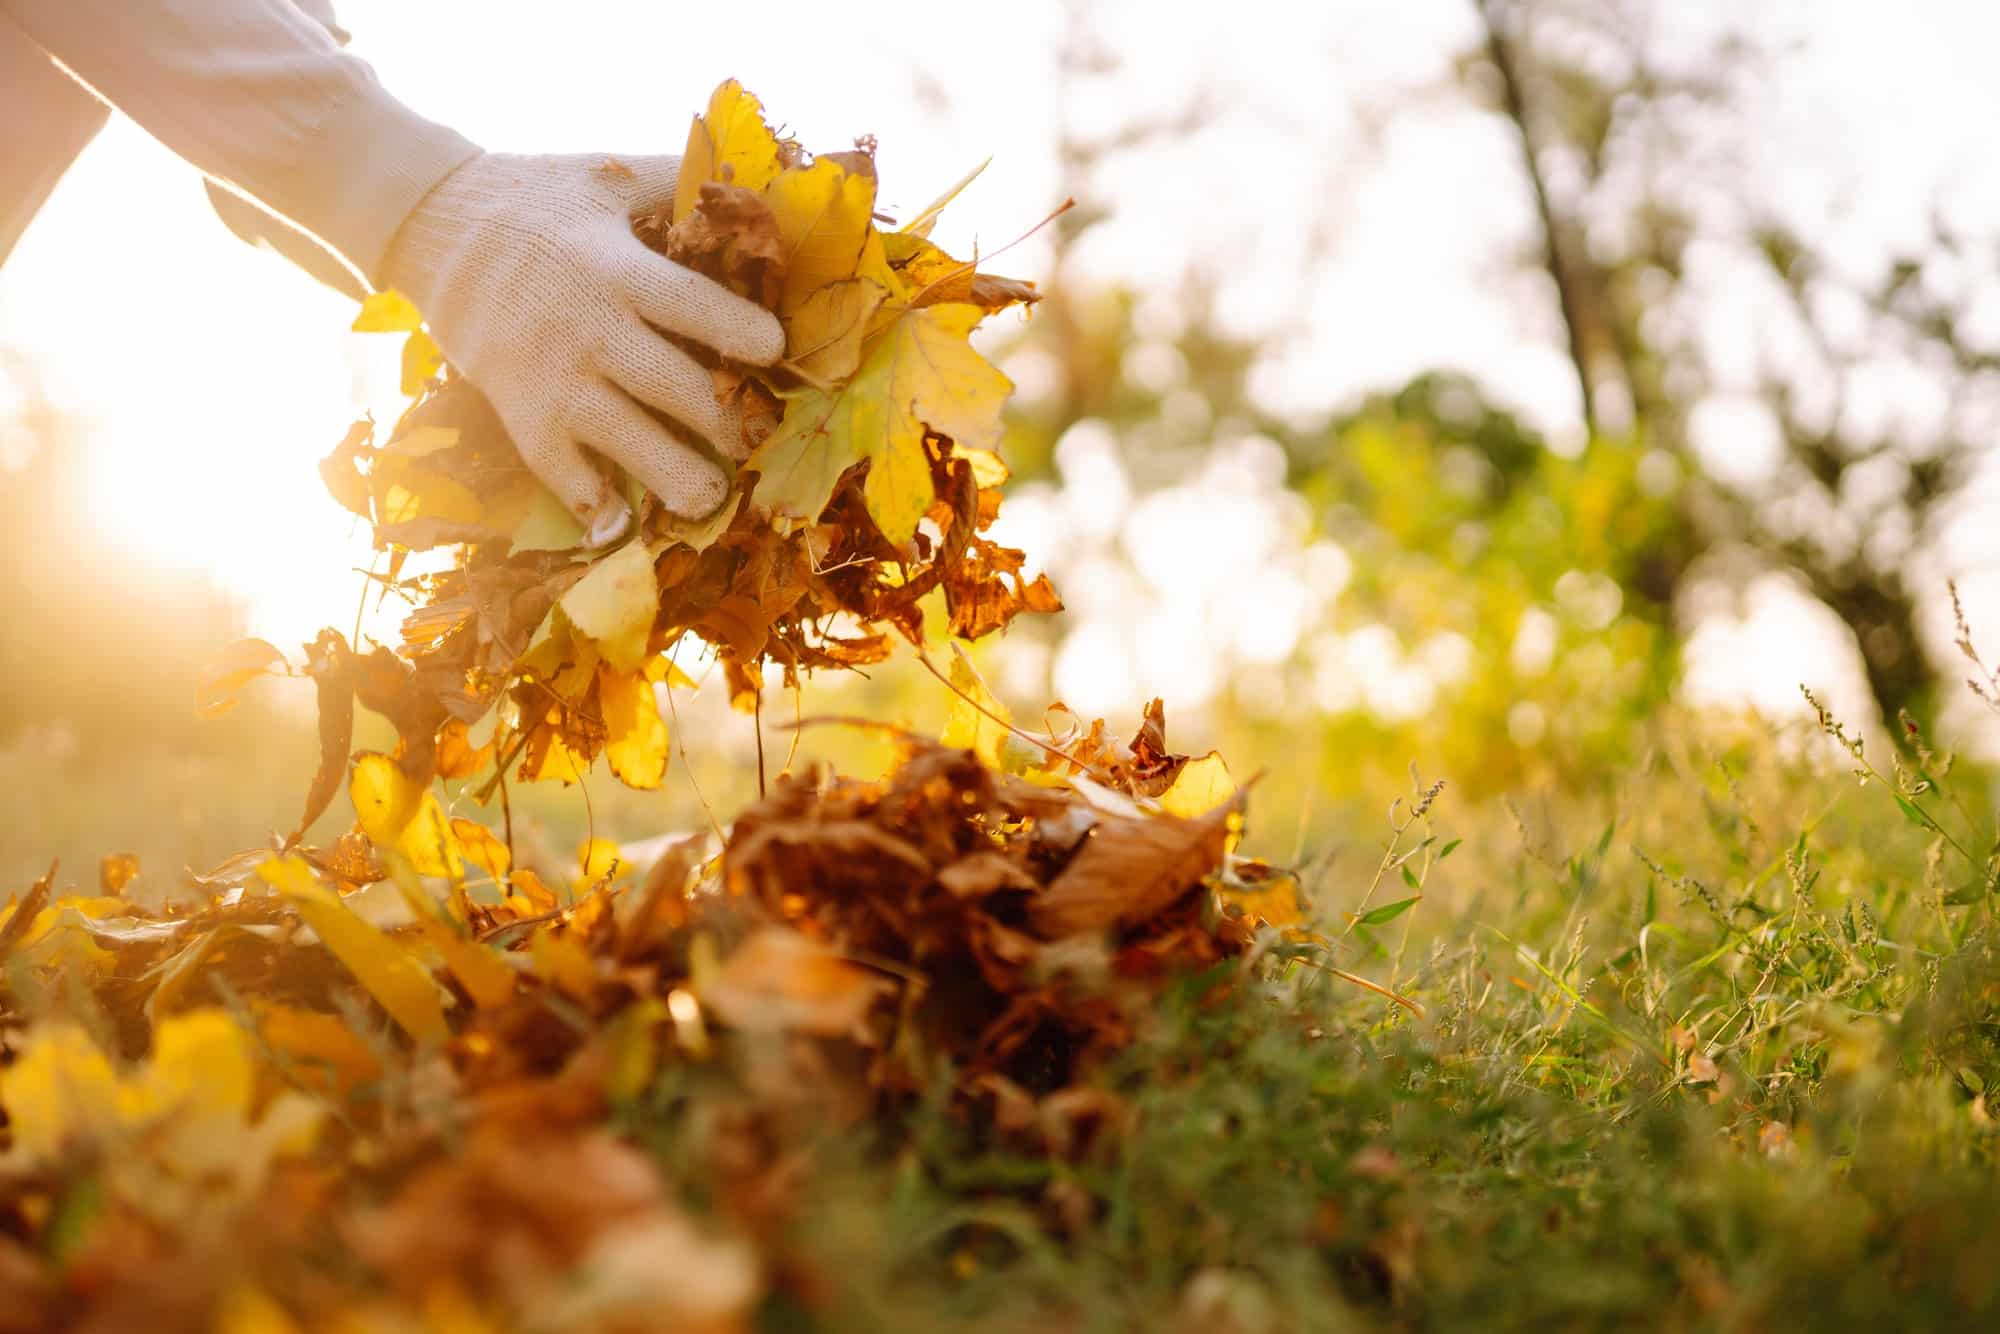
[[529, 276]]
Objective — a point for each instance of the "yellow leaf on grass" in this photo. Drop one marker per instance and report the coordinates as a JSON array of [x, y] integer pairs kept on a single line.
[[635, 734], [1198, 788], [397, 812], [186, 1109], [201, 1071], [60, 1088], [1274, 902], [385, 969], [823, 336], [966, 725], [478, 969], [319, 1049], [920, 373], [563, 963], [730, 142], [615, 604], [387, 312], [823, 212]]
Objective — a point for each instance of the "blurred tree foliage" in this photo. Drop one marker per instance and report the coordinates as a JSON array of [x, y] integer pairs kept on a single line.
[[1542, 591], [1639, 143]]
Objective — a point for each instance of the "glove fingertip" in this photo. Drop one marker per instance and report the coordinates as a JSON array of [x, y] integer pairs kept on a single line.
[[760, 339], [610, 524]]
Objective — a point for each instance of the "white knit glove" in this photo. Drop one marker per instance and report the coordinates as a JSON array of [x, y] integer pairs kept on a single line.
[[529, 276]]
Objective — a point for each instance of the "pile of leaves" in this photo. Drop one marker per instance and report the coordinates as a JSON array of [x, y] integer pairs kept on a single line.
[[321, 1086], [860, 511]]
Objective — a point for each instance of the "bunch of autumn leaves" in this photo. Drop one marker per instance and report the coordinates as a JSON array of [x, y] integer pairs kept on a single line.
[[858, 517]]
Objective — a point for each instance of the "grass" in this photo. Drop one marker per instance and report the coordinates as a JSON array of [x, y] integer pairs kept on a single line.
[[1712, 1051], [1709, 1045]]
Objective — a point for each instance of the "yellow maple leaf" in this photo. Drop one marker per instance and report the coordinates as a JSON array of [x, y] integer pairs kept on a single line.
[[635, 734], [1200, 786], [823, 336], [921, 373], [482, 849], [822, 212], [401, 985], [486, 979], [60, 1088], [615, 603], [967, 725], [189, 1103], [397, 812], [730, 142]]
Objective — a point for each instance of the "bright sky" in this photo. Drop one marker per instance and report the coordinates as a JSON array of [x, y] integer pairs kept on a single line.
[[210, 377]]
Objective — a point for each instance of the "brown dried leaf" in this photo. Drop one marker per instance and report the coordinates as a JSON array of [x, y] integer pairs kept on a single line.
[[779, 980], [1129, 870]]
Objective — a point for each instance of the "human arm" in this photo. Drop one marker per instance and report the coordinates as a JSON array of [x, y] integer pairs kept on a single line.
[[524, 267]]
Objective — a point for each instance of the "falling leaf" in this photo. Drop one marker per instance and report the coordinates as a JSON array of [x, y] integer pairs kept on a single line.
[[246, 1310], [385, 970], [615, 605], [1272, 899]]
